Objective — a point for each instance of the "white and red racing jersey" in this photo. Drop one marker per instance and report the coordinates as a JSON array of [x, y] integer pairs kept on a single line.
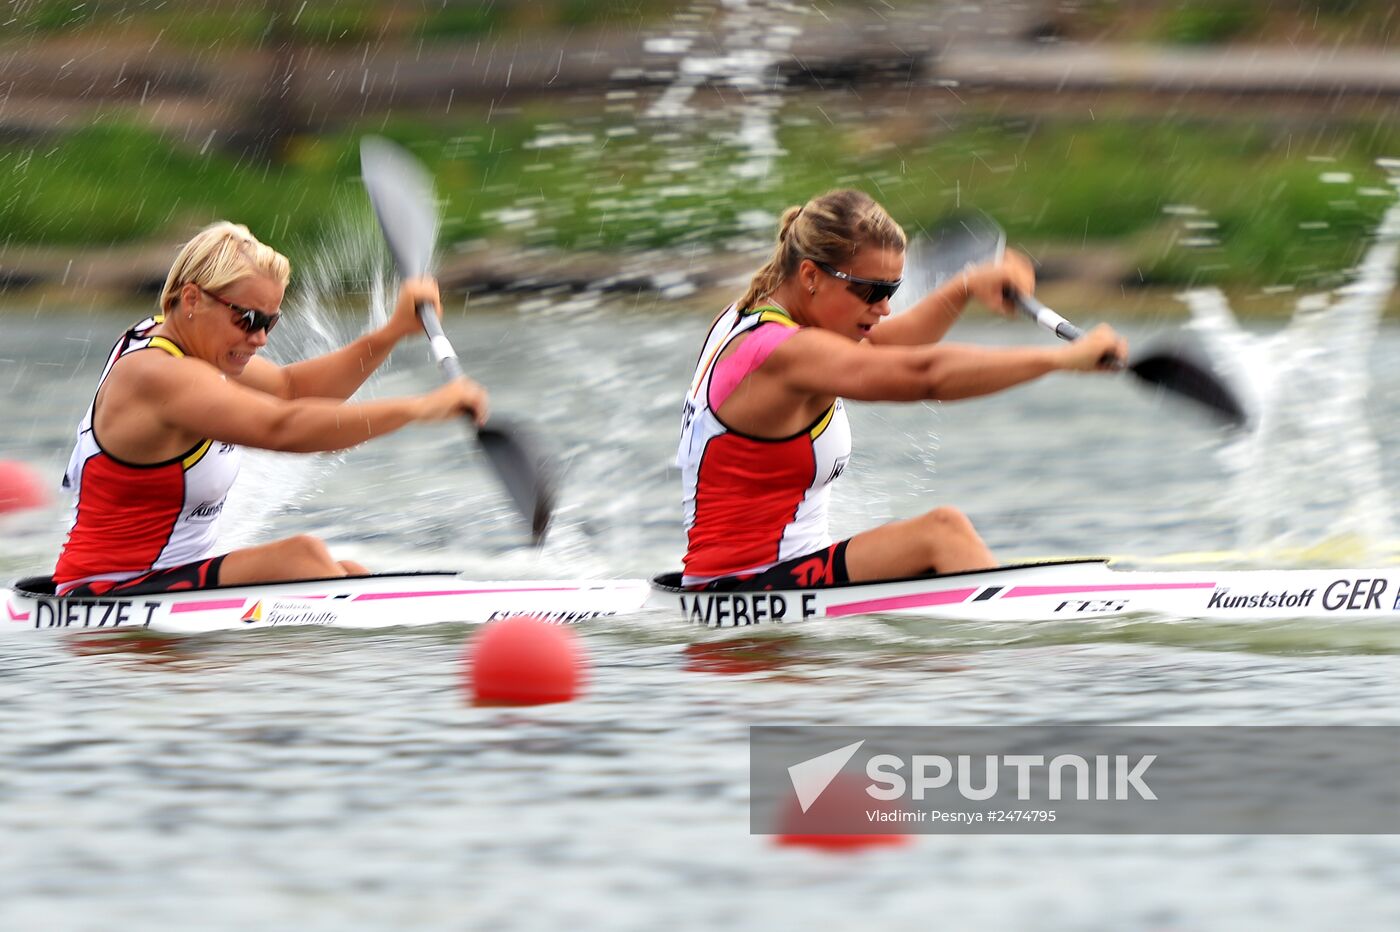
[[131, 518], [752, 502]]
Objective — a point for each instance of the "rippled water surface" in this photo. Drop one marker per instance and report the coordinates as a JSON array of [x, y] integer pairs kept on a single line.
[[324, 779]]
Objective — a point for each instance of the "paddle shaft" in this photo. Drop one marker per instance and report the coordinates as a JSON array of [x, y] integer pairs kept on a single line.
[[514, 460], [1170, 370], [1042, 315], [1047, 318], [401, 193], [438, 344]]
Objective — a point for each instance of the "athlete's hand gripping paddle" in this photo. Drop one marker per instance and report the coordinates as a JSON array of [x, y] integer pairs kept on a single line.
[[972, 238], [401, 193], [1167, 368]]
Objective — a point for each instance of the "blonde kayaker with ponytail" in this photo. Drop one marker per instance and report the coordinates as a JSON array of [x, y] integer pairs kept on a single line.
[[764, 431]]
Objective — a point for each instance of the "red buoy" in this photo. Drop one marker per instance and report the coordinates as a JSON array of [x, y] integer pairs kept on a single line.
[[834, 822], [20, 488], [524, 661]]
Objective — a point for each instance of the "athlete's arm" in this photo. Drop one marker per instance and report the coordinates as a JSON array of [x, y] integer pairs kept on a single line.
[[191, 396], [339, 373], [930, 318], [928, 321], [822, 363], [335, 375]]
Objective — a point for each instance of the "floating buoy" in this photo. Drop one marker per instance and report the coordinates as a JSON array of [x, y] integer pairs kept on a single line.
[[524, 661], [20, 488], [833, 821]]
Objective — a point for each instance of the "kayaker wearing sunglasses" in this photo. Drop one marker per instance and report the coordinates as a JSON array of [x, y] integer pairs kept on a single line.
[[182, 391], [764, 432]]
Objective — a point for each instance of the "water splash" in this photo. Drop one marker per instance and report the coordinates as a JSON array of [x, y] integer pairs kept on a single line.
[[754, 37], [708, 138], [1307, 482], [351, 259]]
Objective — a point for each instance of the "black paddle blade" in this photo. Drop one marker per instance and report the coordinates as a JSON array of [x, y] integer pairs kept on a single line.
[[401, 193], [1175, 371], [526, 473], [962, 239]]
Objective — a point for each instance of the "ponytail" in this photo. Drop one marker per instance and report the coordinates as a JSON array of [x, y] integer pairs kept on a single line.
[[831, 228], [779, 266]]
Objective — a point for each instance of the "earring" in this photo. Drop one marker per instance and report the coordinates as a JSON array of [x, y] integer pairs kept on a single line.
[[812, 290]]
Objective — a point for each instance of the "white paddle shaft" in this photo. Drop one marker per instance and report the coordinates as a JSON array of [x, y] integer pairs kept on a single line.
[[1047, 318], [443, 353]]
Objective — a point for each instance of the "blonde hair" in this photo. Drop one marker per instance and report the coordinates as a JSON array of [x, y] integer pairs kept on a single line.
[[831, 229], [219, 255]]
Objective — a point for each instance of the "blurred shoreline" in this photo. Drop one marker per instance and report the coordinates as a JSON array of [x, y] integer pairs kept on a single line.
[[903, 70], [1084, 302]]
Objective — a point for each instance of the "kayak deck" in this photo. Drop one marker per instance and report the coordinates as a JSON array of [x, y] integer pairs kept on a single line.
[[374, 601], [1061, 590]]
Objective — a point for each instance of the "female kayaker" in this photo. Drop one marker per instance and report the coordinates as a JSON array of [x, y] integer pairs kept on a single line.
[[180, 394], [764, 431]]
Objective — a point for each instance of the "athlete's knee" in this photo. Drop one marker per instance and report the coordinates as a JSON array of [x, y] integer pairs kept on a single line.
[[308, 550], [952, 543], [945, 521]]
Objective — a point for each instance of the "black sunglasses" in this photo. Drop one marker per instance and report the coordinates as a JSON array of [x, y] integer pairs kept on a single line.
[[869, 290], [249, 319]]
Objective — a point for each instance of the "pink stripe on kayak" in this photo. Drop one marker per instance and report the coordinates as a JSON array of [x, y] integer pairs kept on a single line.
[[1020, 591], [945, 597], [371, 596], [216, 604], [15, 616], [208, 605]]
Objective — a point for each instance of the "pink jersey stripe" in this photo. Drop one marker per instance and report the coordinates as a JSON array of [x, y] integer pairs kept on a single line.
[[757, 346]]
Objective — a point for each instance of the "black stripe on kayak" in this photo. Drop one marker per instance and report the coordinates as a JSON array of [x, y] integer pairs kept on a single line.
[[987, 593]]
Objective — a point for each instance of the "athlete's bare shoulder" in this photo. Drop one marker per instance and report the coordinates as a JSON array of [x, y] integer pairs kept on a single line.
[[822, 363], [128, 414], [791, 365], [151, 370], [812, 346]]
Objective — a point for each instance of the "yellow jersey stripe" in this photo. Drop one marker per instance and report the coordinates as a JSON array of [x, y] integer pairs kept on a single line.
[[772, 316], [196, 454], [167, 345], [816, 431]]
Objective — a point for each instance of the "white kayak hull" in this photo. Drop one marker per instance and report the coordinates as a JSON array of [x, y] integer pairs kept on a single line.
[[1072, 590], [378, 601], [1069, 590]]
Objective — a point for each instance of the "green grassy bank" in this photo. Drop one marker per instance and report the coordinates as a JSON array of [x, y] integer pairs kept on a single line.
[[253, 23], [1285, 204]]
